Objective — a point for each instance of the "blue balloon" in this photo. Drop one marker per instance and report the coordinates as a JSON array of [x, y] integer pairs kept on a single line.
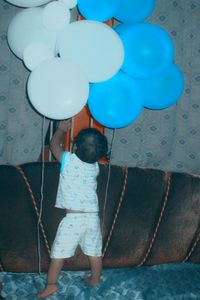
[[120, 29], [97, 10], [148, 49], [133, 11], [164, 90], [115, 103]]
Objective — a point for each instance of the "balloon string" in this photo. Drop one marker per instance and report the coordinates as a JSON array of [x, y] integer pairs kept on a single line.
[[108, 181], [41, 200]]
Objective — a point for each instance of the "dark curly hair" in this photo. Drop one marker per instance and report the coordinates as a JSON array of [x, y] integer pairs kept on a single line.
[[91, 145]]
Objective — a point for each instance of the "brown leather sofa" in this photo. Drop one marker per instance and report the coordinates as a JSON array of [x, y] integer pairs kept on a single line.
[[150, 217]]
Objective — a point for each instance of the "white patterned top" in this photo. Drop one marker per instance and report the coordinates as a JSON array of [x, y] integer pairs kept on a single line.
[[77, 184]]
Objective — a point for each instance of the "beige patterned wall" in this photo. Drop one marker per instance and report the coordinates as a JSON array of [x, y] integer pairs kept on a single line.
[[20, 125], [169, 139]]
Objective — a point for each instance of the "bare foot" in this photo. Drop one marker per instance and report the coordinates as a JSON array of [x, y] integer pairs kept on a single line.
[[91, 281], [50, 289]]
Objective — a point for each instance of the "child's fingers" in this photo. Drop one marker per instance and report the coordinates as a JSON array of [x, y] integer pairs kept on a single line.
[[65, 124]]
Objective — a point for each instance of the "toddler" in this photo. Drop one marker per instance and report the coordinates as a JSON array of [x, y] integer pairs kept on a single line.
[[77, 195]]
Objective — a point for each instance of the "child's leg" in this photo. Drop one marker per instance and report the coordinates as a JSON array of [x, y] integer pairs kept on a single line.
[[53, 273], [96, 267]]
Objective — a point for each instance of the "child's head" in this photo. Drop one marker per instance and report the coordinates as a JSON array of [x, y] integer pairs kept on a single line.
[[91, 145]]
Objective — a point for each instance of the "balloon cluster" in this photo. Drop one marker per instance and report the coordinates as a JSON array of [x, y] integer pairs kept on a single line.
[[117, 71]]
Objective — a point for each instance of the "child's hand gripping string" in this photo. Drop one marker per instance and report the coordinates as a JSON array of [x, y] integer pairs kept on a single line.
[[65, 125], [57, 139]]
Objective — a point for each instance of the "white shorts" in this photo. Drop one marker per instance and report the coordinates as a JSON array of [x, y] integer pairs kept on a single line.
[[78, 229]]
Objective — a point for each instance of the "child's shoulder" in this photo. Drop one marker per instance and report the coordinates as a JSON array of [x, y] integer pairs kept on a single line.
[[65, 157]]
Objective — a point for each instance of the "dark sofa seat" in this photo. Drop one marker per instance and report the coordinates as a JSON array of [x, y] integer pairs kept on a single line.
[[151, 217]]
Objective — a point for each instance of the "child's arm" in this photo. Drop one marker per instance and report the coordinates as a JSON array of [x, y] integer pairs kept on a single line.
[[57, 139]]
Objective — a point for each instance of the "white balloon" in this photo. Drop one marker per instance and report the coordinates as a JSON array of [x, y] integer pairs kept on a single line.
[[70, 3], [28, 3], [55, 16], [58, 89], [26, 27], [94, 46], [36, 53]]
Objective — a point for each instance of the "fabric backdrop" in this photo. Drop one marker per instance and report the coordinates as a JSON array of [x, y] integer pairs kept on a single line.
[[21, 127], [20, 124], [169, 139]]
